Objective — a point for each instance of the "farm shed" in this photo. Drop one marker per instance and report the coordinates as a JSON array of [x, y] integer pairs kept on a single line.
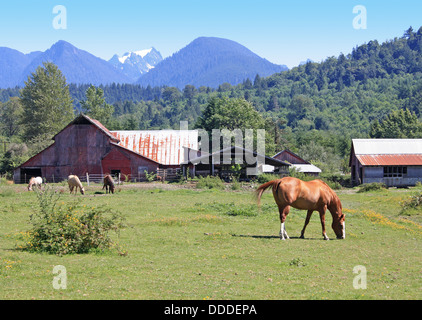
[[223, 163], [86, 146], [297, 162], [395, 162]]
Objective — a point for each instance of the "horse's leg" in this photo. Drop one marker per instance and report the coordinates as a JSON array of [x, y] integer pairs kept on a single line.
[[308, 217], [284, 211], [322, 217]]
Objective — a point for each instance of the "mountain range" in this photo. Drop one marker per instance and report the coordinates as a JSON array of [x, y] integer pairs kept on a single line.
[[204, 62]]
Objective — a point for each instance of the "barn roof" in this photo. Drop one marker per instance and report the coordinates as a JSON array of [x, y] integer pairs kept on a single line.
[[388, 152], [163, 146], [286, 153], [84, 119], [387, 146]]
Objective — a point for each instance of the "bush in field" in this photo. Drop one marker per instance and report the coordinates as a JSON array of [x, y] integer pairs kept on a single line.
[[60, 228], [210, 182], [267, 177], [372, 187], [413, 204]]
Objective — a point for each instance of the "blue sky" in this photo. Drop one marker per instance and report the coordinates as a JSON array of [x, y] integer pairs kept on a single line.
[[284, 32]]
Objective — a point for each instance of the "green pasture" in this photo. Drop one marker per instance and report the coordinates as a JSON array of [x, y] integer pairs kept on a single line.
[[186, 243]]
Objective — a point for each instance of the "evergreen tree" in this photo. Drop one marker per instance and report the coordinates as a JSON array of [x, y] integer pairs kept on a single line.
[[95, 105], [46, 101], [10, 115]]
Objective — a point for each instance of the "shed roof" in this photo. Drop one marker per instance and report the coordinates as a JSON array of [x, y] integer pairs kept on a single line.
[[388, 152], [238, 151], [387, 146], [306, 168], [391, 160]]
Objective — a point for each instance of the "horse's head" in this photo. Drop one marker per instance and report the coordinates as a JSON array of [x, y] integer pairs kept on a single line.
[[339, 227], [82, 190], [339, 224]]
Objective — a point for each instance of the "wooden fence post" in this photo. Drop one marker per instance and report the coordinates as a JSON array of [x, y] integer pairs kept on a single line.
[[87, 178]]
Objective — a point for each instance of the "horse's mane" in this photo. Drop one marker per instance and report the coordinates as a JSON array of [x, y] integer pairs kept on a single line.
[[334, 197]]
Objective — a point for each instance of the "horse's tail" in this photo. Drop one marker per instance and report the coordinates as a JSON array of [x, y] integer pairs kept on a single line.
[[265, 186]]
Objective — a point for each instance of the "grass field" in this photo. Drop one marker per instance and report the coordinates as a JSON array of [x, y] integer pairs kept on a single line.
[[185, 243]]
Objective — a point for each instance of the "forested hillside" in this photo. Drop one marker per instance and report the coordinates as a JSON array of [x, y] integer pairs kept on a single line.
[[314, 109]]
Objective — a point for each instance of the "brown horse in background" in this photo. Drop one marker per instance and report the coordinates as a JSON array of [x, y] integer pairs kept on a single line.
[[108, 184], [311, 195]]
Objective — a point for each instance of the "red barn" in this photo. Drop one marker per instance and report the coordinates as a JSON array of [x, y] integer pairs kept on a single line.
[[86, 146]]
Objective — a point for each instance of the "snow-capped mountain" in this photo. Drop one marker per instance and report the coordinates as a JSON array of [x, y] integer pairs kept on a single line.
[[136, 63]]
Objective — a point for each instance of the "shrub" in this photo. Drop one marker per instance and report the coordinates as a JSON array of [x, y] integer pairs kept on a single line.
[[414, 203], [60, 228], [235, 185], [210, 182], [337, 180], [3, 181], [372, 187], [150, 176], [267, 177]]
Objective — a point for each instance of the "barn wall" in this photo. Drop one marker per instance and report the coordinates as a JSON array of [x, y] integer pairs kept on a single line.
[[372, 174], [376, 174], [414, 172], [137, 163], [79, 150], [115, 160], [355, 170]]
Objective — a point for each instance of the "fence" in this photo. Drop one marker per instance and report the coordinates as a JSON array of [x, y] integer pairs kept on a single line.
[[170, 174]]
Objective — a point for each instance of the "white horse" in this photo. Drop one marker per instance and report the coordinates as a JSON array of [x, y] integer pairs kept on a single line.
[[75, 183], [35, 181]]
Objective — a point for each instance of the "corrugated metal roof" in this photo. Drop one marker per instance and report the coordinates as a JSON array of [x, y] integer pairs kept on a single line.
[[387, 146], [390, 160], [163, 146], [310, 168]]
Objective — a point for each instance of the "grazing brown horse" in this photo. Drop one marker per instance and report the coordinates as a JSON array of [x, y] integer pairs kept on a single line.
[[312, 195], [108, 184]]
